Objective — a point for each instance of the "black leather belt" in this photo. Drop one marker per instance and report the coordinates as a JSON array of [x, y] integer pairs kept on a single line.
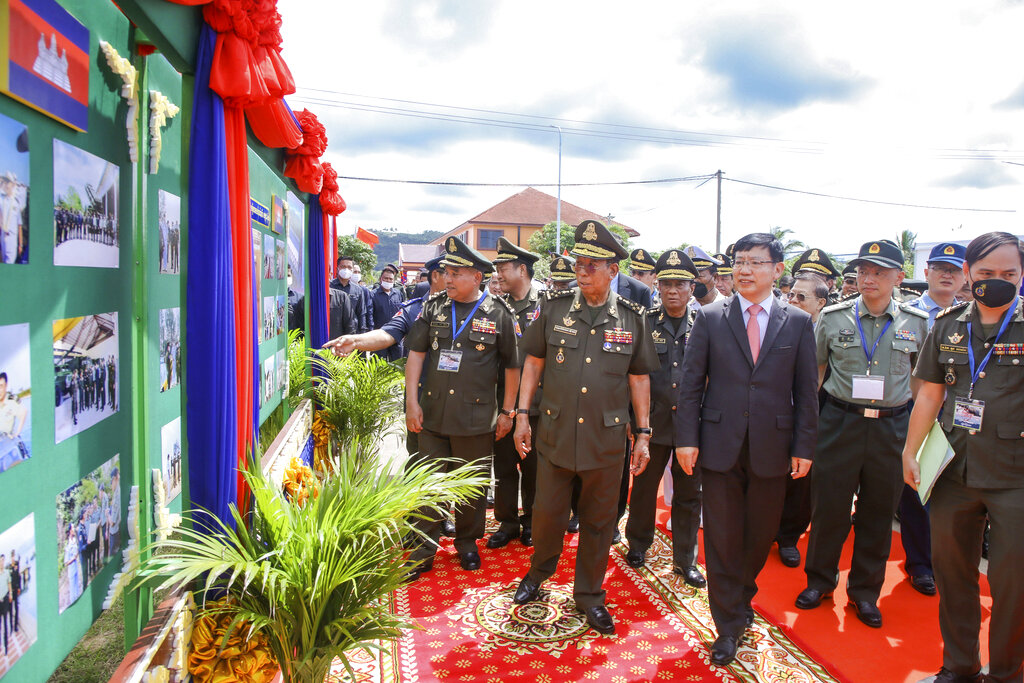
[[868, 411]]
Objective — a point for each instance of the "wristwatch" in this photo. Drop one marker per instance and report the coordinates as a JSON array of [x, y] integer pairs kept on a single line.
[[523, 411], [511, 412], [643, 430]]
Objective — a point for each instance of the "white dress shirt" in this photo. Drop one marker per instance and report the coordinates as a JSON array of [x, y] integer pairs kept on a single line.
[[762, 316]]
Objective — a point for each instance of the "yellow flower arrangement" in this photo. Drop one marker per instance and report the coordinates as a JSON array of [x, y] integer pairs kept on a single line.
[[299, 482], [239, 660]]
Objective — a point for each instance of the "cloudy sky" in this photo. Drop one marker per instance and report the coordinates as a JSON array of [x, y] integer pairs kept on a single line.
[[911, 102]]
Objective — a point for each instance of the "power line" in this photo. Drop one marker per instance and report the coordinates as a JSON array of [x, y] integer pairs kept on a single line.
[[866, 201], [470, 184]]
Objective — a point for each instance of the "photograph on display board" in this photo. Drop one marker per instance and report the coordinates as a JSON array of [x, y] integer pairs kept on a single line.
[[257, 260], [269, 380], [280, 259], [88, 530], [170, 348], [85, 230], [18, 574], [15, 397], [170, 457], [268, 257], [281, 312], [46, 60], [169, 223], [277, 222], [85, 355], [296, 243], [13, 191], [282, 371], [269, 317]]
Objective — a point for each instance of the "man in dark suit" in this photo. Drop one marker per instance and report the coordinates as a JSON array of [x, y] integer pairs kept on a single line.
[[748, 407]]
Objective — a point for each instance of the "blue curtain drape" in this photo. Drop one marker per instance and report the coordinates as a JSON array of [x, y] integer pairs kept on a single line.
[[210, 338], [317, 277]]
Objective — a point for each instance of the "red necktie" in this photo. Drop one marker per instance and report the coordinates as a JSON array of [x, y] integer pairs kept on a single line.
[[754, 331]]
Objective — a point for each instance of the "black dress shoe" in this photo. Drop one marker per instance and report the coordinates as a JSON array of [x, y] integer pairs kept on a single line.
[[499, 539], [924, 584], [617, 538], [448, 527], [470, 561], [600, 619], [418, 570], [526, 538], [635, 558], [528, 591], [790, 555], [691, 575], [723, 651], [868, 613], [947, 676], [574, 524], [810, 598], [748, 612]]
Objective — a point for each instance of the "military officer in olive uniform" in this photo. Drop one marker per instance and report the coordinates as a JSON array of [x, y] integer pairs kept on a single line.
[[669, 324], [870, 344], [563, 273], [594, 352], [457, 346], [817, 263], [513, 268], [972, 367]]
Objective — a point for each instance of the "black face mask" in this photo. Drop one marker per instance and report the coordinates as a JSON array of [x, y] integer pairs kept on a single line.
[[994, 293], [700, 290]]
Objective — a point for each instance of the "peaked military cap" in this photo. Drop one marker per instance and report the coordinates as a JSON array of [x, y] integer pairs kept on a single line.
[[458, 254], [726, 267], [730, 250], [641, 260], [433, 264], [815, 261], [510, 252], [674, 264], [948, 252], [563, 269], [882, 253], [701, 258], [593, 240], [850, 269]]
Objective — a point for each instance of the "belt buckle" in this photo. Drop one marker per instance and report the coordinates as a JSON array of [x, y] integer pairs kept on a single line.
[[871, 412]]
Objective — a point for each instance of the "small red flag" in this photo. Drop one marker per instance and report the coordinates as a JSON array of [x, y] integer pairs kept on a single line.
[[565, 252], [367, 237]]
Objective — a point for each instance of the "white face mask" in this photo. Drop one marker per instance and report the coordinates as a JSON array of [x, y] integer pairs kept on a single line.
[[356, 277], [386, 285], [345, 273]]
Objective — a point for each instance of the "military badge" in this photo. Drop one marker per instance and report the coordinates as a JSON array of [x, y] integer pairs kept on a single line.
[[559, 357], [569, 322], [452, 247], [590, 233], [560, 265], [434, 345], [874, 249], [533, 315], [950, 348], [673, 259], [1008, 349], [905, 335], [484, 325], [515, 326], [480, 347], [441, 317], [949, 251], [618, 336], [955, 338], [950, 375], [814, 256]]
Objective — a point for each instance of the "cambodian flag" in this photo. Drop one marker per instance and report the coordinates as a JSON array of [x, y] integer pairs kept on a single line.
[[47, 60]]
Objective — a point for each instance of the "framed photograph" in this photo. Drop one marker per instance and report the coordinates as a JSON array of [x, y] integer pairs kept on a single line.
[[170, 348], [170, 457], [280, 359], [18, 563], [277, 224], [268, 257], [269, 380], [269, 318], [85, 360], [88, 530], [169, 223], [13, 191], [281, 259], [45, 60], [257, 261], [281, 313], [85, 189], [296, 243], [15, 397]]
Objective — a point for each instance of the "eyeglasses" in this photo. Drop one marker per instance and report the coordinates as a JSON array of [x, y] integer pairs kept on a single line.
[[589, 268], [799, 296], [751, 263]]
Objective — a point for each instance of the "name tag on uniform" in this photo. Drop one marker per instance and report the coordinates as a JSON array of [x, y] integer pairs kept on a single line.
[[868, 387], [967, 413], [449, 360]]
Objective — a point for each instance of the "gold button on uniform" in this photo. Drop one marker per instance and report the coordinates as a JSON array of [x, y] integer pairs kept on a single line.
[[675, 364], [616, 420], [451, 391], [673, 407], [583, 390], [549, 411], [593, 332], [581, 420], [458, 345], [588, 360]]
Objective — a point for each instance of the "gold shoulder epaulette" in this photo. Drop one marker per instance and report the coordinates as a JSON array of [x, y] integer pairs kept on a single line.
[[629, 303], [436, 294], [842, 305], [550, 294], [654, 310], [953, 309], [507, 305]]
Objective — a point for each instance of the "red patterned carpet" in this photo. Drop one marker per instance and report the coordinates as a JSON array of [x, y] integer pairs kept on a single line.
[[470, 630]]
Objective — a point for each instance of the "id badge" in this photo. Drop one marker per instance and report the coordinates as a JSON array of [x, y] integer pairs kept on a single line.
[[449, 360], [868, 387], [967, 413]]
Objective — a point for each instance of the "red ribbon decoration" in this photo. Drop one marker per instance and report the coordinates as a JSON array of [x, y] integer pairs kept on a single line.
[[330, 201], [303, 162]]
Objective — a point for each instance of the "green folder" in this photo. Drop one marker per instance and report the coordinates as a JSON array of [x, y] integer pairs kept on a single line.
[[933, 457]]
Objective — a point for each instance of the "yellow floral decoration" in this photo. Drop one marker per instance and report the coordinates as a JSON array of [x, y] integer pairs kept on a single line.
[[242, 659], [299, 482], [321, 438]]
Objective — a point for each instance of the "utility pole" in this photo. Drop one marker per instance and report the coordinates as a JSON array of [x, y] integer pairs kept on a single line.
[[718, 223], [558, 217]]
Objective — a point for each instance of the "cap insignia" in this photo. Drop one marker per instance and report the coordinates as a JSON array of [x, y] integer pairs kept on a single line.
[[673, 259], [559, 264], [451, 245], [814, 256], [590, 233], [690, 252], [949, 251], [874, 249]]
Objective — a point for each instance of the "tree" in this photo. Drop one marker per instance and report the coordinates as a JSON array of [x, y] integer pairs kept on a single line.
[[788, 245], [543, 242], [907, 241], [360, 252]]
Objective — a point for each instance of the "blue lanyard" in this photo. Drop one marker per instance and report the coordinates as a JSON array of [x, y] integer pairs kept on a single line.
[[455, 334], [863, 343], [984, 361]]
